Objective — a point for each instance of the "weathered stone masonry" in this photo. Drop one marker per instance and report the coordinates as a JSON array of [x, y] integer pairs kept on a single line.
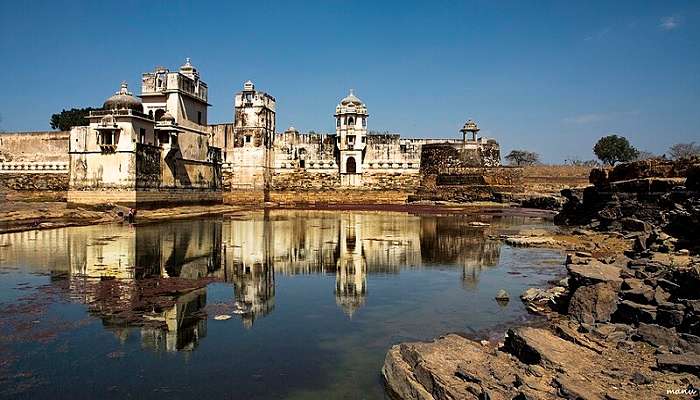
[[31, 161]]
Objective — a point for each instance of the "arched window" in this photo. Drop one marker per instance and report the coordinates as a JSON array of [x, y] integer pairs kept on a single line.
[[351, 166], [337, 122], [351, 121], [364, 122]]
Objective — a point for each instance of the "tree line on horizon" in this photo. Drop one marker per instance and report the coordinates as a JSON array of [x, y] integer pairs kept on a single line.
[[610, 150]]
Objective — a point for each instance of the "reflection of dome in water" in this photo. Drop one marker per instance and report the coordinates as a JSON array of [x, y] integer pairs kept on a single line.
[[254, 291], [349, 304], [351, 284]]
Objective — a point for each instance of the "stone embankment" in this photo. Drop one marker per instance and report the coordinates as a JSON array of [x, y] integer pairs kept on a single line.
[[22, 216], [624, 324]]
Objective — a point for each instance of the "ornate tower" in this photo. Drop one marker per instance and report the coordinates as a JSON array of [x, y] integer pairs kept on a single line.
[[181, 93], [252, 152], [351, 133], [254, 118]]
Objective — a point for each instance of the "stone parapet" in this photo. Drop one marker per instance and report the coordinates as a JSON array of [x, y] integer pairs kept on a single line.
[[37, 167]]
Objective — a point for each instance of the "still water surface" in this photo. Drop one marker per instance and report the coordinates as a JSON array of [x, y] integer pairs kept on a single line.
[[315, 298]]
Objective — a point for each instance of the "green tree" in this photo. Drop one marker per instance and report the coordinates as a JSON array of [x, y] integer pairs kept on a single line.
[[66, 119], [522, 157], [612, 149]]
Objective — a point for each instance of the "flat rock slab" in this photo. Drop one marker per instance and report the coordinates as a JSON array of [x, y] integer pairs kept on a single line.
[[527, 241], [594, 272], [539, 346], [533, 364], [453, 367], [686, 362]]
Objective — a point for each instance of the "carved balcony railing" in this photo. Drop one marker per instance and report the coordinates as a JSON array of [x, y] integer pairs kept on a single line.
[[121, 113]]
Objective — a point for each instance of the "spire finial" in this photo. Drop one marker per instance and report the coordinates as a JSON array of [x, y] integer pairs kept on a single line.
[[123, 88], [352, 91], [187, 61]]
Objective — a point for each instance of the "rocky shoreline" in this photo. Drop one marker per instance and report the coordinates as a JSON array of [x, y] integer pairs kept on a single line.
[[625, 323]]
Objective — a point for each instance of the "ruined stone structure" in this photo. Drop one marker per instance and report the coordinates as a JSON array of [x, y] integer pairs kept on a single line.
[[154, 150]]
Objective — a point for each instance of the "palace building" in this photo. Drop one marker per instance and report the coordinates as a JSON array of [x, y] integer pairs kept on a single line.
[[153, 149], [158, 148], [255, 158]]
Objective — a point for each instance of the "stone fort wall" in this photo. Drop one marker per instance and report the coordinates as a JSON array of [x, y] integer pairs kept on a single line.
[[37, 147], [34, 161], [299, 168]]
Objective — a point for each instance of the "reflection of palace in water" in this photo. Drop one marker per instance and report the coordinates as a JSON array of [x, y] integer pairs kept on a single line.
[[110, 269]]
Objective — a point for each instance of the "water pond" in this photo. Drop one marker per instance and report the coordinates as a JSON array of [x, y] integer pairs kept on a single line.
[[277, 304]]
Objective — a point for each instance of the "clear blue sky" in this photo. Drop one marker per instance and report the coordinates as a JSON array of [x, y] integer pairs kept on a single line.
[[551, 77]]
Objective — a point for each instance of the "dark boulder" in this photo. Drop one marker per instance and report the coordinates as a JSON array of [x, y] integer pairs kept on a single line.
[[634, 313], [541, 203], [692, 181], [656, 335], [599, 178], [594, 303], [669, 316], [635, 225]]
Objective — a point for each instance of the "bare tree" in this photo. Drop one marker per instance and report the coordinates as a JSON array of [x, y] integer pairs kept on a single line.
[[583, 163], [684, 150], [644, 155]]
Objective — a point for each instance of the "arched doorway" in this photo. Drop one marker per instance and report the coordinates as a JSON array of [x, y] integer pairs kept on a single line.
[[350, 166]]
